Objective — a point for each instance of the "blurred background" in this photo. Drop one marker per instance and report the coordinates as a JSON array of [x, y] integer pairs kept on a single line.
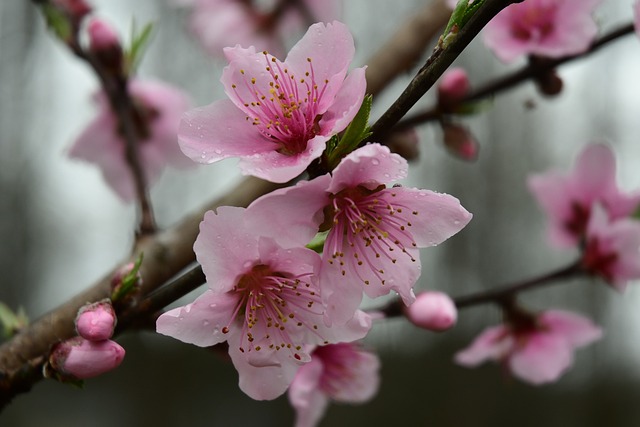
[[62, 228]]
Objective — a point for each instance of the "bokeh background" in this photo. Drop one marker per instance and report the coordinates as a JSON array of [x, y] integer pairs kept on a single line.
[[62, 228]]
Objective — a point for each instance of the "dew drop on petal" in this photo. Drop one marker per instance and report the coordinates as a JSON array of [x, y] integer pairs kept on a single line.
[[375, 162], [205, 323]]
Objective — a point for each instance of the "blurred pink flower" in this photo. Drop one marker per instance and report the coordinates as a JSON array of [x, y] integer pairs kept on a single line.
[[222, 23], [612, 249], [102, 143], [86, 359], [263, 300], [551, 28], [433, 310], [454, 85], [568, 199], [339, 372], [374, 231], [538, 352], [280, 114]]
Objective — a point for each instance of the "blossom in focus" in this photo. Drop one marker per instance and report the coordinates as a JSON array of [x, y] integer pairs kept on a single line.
[[95, 322], [159, 107], [612, 249], [339, 372], [568, 199], [221, 23], [551, 28], [374, 231], [263, 300], [280, 114], [538, 351], [432, 310], [83, 359]]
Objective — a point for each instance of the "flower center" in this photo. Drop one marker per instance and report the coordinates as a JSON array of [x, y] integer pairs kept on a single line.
[[533, 22], [287, 111], [598, 261], [275, 309], [369, 226]]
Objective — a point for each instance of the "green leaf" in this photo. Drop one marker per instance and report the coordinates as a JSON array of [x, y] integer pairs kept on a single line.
[[12, 322], [129, 281], [317, 243], [57, 21], [139, 42], [356, 132], [459, 18]]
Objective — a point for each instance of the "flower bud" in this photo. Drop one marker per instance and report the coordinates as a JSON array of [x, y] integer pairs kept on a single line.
[[83, 359], [104, 44], [75, 9], [433, 310], [95, 322], [549, 83], [460, 142], [453, 87]]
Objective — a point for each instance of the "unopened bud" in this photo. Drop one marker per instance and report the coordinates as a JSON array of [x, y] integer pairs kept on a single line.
[[405, 143], [104, 44], [549, 83], [460, 142], [95, 322], [433, 310], [454, 86], [75, 9], [83, 359]]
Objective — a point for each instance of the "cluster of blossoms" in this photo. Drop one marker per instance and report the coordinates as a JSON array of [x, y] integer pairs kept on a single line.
[[92, 352], [221, 23], [586, 210], [290, 314]]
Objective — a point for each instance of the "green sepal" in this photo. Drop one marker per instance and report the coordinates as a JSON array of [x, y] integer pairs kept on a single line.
[[129, 281], [57, 21], [356, 132], [139, 41], [12, 322], [459, 18], [317, 243]]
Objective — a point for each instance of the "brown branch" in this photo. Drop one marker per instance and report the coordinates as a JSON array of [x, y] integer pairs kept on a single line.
[[435, 66], [531, 71]]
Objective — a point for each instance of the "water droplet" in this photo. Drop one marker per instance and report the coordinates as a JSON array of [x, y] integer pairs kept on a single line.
[[217, 151], [205, 323], [212, 306], [456, 222], [247, 264], [375, 162]]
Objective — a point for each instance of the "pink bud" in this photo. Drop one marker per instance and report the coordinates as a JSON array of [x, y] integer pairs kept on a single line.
[[76, 9], [86, 359], [453, 87], [95, 322], [102, 36], [460, 142], [433, 310]]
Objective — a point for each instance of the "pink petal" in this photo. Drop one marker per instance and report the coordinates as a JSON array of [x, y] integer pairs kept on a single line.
[[225, 248], [305, 395], [552, 192], [341, 299], [492, 344], [218, 131], [368, 166], [543, 359], [330, 48], [279, 168], [434, 217], [577, 330], [264, 382], [354, 329], [295, 261], [346, 104], [594, 174], [299, 221], [200, 322], [364, 380]]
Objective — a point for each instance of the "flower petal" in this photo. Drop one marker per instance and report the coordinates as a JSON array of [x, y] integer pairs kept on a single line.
[[492, 344], [346, 104], [200, 322], [543, 359], [577, 330], [306, 396]]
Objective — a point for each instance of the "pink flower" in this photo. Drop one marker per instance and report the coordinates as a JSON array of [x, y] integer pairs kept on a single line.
[[374, 231], [221, 23], [263, 300], [551, 28], [101, 142], [454, 86], [636, 16], [95, 322], [568, 199], [86, 359], [612, 249], [433, 310], [339, 372], [280, 114], [538, 352]]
